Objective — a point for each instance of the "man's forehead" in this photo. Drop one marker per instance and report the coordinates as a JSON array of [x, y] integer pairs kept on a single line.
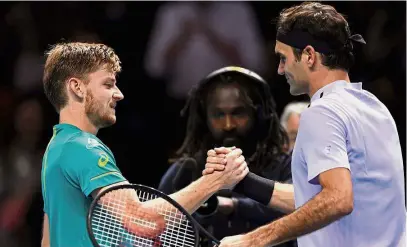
[[281, 47], [226, 96], [105, 74]]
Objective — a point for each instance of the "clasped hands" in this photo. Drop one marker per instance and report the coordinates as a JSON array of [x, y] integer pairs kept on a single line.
[[228, 164], [224, 159]]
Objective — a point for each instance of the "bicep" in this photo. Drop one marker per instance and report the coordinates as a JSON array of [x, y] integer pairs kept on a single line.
[[336, 179], [322, 138], [338, 183], [98, 191], [45, 242]]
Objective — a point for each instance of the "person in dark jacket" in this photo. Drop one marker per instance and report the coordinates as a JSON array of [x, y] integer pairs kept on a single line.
[[232, 106]]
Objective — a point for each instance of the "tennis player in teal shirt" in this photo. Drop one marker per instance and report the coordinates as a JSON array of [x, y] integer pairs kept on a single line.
[[80, 82], [75, 164]]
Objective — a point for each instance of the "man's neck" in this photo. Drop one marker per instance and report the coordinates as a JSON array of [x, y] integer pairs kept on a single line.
[[325, 77], [77, 118]]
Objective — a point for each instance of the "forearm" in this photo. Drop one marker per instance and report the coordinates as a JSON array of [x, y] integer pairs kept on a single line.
[[195, 194], [276, 195], [253, 211], [45, 242], [283, 198], [319, 212]]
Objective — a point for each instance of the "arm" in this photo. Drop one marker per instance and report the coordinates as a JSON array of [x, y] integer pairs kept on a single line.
[[332, 203], [283, 198], [45, 242], [276, 195], [251, 210], [325, 154], [190, 198]]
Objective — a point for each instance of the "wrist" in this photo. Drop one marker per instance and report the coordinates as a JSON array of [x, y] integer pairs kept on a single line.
[[211, 185], [264, 236], [257, 188]]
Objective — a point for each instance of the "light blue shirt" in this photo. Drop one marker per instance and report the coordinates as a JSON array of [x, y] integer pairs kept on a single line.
[[346, 126]]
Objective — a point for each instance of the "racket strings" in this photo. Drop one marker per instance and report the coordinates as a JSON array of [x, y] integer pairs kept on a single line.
[[119, 221]]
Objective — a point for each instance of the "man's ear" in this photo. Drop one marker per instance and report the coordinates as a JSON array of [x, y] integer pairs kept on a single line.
[[310, 56], [77, 87]]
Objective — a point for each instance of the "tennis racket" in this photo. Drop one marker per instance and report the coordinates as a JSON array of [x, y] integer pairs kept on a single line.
[[113, 222]]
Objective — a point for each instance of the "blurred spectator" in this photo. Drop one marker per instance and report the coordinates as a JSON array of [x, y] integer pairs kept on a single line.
[[191, 39], [28, 67], [290, 120], [22, 166], [232, 108]]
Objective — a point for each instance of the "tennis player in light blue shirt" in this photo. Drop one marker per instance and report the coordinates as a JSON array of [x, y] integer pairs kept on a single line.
[[347, 165], [348, 127]]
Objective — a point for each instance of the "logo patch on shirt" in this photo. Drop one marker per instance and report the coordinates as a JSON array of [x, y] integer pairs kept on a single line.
[[93, 143], [103, 159], [327, 149]]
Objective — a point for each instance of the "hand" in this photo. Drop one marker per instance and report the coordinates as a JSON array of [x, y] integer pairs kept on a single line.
[[235, 169], [238, 241], [139, 219], [216, 160]]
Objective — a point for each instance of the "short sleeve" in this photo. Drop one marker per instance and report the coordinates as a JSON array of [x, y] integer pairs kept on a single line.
[[89, 168], [322, 138]]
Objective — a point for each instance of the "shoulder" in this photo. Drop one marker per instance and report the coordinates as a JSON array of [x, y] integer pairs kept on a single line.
[[332, 106], [85, 147], [85, 142]]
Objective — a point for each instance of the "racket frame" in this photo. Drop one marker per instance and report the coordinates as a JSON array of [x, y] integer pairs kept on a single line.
[[139, 187]]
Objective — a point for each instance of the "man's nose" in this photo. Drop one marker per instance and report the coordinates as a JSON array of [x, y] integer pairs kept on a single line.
[[229, 123], [118, 95], [280, 69]]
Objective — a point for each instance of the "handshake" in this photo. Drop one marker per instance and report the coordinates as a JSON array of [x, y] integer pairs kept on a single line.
[[225, 167]]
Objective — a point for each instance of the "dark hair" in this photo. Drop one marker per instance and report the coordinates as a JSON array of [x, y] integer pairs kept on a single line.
[[198, 136], [74, 59], [324, 23]]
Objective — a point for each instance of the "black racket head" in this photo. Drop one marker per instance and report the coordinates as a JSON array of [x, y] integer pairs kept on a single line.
[[106, 230]]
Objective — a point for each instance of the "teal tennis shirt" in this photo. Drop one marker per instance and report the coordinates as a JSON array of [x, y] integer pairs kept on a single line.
[[74, 164]]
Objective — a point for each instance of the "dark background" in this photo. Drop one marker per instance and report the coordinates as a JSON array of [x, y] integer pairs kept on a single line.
[[139, 140]]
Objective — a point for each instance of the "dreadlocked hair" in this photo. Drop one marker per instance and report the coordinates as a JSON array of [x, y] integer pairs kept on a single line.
[[198, 136]]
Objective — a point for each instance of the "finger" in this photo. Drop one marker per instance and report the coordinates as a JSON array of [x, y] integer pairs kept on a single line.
[[221, 155], [234, 153], [223, 150], [241, 168], [239, 160], [216, 167], [245, 172], [208, 171], [215, 160], [211, 152]]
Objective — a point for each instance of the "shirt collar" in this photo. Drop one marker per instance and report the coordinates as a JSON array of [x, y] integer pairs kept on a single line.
[[334, 86]]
